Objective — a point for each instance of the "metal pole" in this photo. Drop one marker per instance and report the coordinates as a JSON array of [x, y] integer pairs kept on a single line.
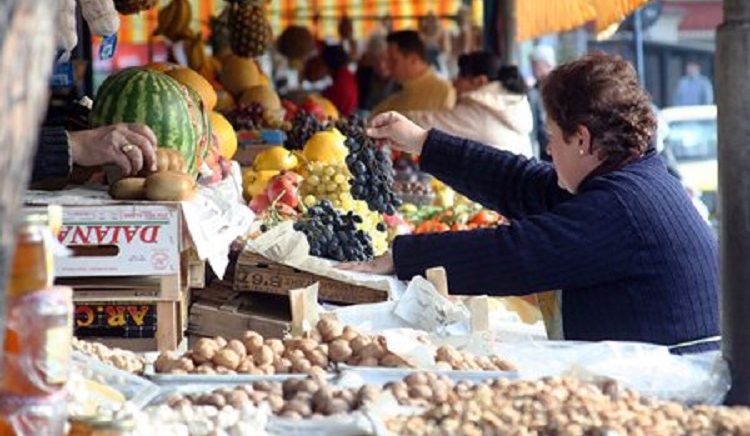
[[507, 23], [490, 26], [733, 100], [638, 43]]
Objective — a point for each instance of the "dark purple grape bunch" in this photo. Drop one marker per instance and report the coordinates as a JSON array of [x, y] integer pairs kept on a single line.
[[303, 126], [371, 168], [247, 117], [333, 235]]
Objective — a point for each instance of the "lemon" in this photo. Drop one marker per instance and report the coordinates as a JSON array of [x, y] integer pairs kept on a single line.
[[276, 158], [255, 182], [326, 146]]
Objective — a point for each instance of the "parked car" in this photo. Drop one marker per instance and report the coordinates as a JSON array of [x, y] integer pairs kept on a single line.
[[690, 137]]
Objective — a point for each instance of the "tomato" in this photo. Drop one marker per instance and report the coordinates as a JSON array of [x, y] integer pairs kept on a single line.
[[484, 218]]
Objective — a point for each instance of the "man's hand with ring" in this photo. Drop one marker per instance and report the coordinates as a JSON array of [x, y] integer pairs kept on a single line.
[[131, 147]]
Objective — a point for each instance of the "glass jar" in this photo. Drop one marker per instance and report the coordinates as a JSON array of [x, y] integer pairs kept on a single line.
[[80, 425], [39, 326], [116, 426], [32, 263], [38, 342]]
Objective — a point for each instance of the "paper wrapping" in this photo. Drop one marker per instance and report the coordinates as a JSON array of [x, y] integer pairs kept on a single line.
[[284, 245]]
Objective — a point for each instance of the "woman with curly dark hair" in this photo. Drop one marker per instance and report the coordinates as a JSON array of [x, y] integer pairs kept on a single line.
[[606, 224]]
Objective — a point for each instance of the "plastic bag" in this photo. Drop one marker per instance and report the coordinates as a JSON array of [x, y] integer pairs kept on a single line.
[[33, 416], [649, 369], [37, 348], [92, 384]]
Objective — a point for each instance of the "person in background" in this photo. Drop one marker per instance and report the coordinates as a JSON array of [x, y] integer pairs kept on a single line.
[[491, 108], [542, 63], [421, 88], [374, 81], [694, 88], [131, 147], [343, 90]]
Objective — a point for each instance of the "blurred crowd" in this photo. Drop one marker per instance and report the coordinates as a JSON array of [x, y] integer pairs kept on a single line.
[[437, 78]]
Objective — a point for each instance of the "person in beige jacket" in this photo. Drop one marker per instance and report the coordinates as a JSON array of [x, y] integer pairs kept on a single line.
[[492, 107], [421, 88]]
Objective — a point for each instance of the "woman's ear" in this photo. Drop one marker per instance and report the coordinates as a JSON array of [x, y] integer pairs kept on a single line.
[[584, 139]]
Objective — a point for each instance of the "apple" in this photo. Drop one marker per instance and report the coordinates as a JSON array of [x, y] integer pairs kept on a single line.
[[314, 108], [283, 188], [290, 108], [260, 203]]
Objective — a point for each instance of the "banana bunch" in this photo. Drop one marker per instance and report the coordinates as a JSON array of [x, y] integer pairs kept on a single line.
[[173, 21], [206, 66]]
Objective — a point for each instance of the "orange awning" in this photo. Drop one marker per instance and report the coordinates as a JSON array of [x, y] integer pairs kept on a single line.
[[321, 16], [539, 17]]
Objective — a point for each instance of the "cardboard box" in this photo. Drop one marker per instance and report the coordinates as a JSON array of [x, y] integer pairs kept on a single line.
[[229, 314], [130, 314], [257, 274], [120, 240], [122, 319]]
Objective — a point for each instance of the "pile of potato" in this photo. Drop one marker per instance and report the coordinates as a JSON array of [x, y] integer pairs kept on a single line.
[[295, 398], [328, 344], [119, 358], [551, 406]]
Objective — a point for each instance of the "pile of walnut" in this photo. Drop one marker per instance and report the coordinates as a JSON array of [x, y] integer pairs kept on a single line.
[[551, 406], [328, 344], [119, 358], [294, 398]]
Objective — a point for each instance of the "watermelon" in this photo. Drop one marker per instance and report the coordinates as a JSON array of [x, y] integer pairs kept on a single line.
[[174, 112]]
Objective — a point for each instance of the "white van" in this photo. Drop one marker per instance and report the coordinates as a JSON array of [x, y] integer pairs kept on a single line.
[[691, 138]]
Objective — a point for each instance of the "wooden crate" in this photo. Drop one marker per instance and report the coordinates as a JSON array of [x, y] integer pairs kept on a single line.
[[195, 269], [223, 312], [257, 274], [132, 313], [168, 297]]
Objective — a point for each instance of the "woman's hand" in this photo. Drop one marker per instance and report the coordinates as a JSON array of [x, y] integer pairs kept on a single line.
[[398, 132], [382, 264], [129, 146]]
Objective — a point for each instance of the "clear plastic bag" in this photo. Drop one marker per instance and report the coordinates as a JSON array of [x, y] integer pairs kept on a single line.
[[38, 338], [649, 369], [33, 416], [89, 375]]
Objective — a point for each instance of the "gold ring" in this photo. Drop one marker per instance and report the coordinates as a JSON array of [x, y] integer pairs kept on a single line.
[[127, 148]]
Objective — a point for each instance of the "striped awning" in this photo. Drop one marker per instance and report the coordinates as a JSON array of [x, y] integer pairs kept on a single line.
[[539, 17], [321, 16], [534, 17]]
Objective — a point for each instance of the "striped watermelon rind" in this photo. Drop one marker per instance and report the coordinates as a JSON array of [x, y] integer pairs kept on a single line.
[[171, 110]]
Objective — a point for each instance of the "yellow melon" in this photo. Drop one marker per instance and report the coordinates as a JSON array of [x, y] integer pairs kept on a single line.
[[264, 95], [161, 67], [198, 83], [326, 146], [238, 73], [224, 101], [224, 133]]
